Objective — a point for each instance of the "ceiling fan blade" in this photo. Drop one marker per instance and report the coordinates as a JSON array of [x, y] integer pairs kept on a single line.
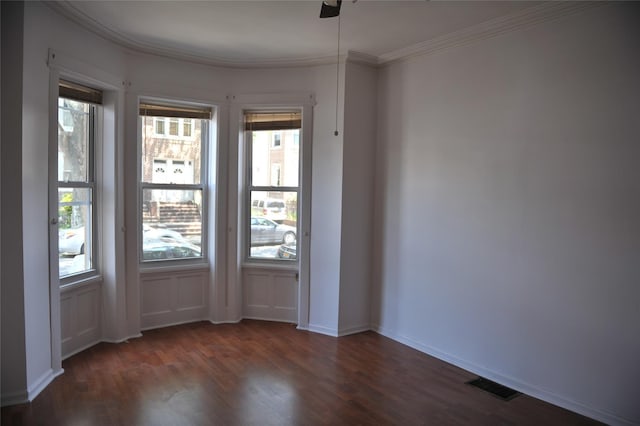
[[330, 9]]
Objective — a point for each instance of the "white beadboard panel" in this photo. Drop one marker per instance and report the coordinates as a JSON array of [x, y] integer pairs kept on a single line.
[[86, 303], [80, 316], [256, 290], [66, 317], [270, 294], [285, 291], [169, 298], [191, 291], [156, 295]]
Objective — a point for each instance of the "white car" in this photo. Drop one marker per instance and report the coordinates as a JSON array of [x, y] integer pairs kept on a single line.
[[71, 241]]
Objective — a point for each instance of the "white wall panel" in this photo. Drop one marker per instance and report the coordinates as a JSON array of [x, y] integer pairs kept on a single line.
[[191, 291], [66, 317], [173, 297], [156, 295], [270, 294], [81, 317]]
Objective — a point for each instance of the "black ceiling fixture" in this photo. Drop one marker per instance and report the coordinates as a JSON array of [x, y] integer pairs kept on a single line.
[[330, 8]]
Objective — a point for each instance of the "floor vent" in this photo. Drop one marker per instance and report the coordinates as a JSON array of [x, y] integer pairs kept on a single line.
[[494, 388]]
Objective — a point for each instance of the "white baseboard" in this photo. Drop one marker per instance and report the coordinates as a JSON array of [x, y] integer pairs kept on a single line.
[[14, 398], [323, 330], [43, 381], [526, 388], [252, 317], [236, 321], [77, 351], [124, 339], [171, 324], [354, 329]]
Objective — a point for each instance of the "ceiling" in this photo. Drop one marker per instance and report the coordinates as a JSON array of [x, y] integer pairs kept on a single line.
[[268, 33]]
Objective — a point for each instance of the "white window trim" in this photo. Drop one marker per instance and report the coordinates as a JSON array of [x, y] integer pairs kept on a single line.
[[247, 188], [206, 139], [92, 183]]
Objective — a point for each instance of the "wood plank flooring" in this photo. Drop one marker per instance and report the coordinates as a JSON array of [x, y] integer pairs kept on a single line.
[[265, 373]]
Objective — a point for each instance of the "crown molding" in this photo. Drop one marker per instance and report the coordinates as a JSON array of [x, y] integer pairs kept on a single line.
[[520, 20], [362, 58], [523, 19]]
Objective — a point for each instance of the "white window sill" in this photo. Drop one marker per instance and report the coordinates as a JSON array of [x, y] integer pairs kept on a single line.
[[84, 282], [161, 267], [281, 265]]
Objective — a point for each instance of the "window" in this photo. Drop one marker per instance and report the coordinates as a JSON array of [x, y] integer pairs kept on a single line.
[[173, 127], [173, 175], [178, 127], [276, 140], [159, 126], [187, 125], [272, 184], [77, 110]]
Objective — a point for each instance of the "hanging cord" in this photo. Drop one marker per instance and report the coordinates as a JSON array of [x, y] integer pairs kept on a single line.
[[335, 133]]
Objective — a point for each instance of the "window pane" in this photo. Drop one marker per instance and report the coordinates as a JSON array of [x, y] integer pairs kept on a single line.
[[75, 239], [160, 126], [275, 165], [187, 127], [73, 140], [172, 224], [273, 225], [173, 127], [181, 155]]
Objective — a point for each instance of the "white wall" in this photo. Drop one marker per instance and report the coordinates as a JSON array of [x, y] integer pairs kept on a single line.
[[357, 197], [508, 204], [43, 29], [13, 326]]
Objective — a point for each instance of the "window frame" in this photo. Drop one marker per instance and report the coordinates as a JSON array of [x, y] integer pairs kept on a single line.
[[249, 188], [94, 136], [202, 186]]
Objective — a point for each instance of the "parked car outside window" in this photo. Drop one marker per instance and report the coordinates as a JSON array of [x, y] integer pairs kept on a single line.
[[265, 231], [272, 209]]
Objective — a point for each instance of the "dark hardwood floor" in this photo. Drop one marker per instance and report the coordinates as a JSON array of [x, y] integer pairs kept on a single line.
[[264, 373]]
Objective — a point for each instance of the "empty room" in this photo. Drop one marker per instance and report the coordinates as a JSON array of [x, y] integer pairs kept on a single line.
[[320, 212]]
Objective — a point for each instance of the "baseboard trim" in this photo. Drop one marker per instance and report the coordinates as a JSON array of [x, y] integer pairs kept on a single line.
[[226, 321], [526, 388], [14, 398], [32, 391], [354, 330], [124, 339], [323, 330], [77, 351], [153, 327], [269, 319]]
